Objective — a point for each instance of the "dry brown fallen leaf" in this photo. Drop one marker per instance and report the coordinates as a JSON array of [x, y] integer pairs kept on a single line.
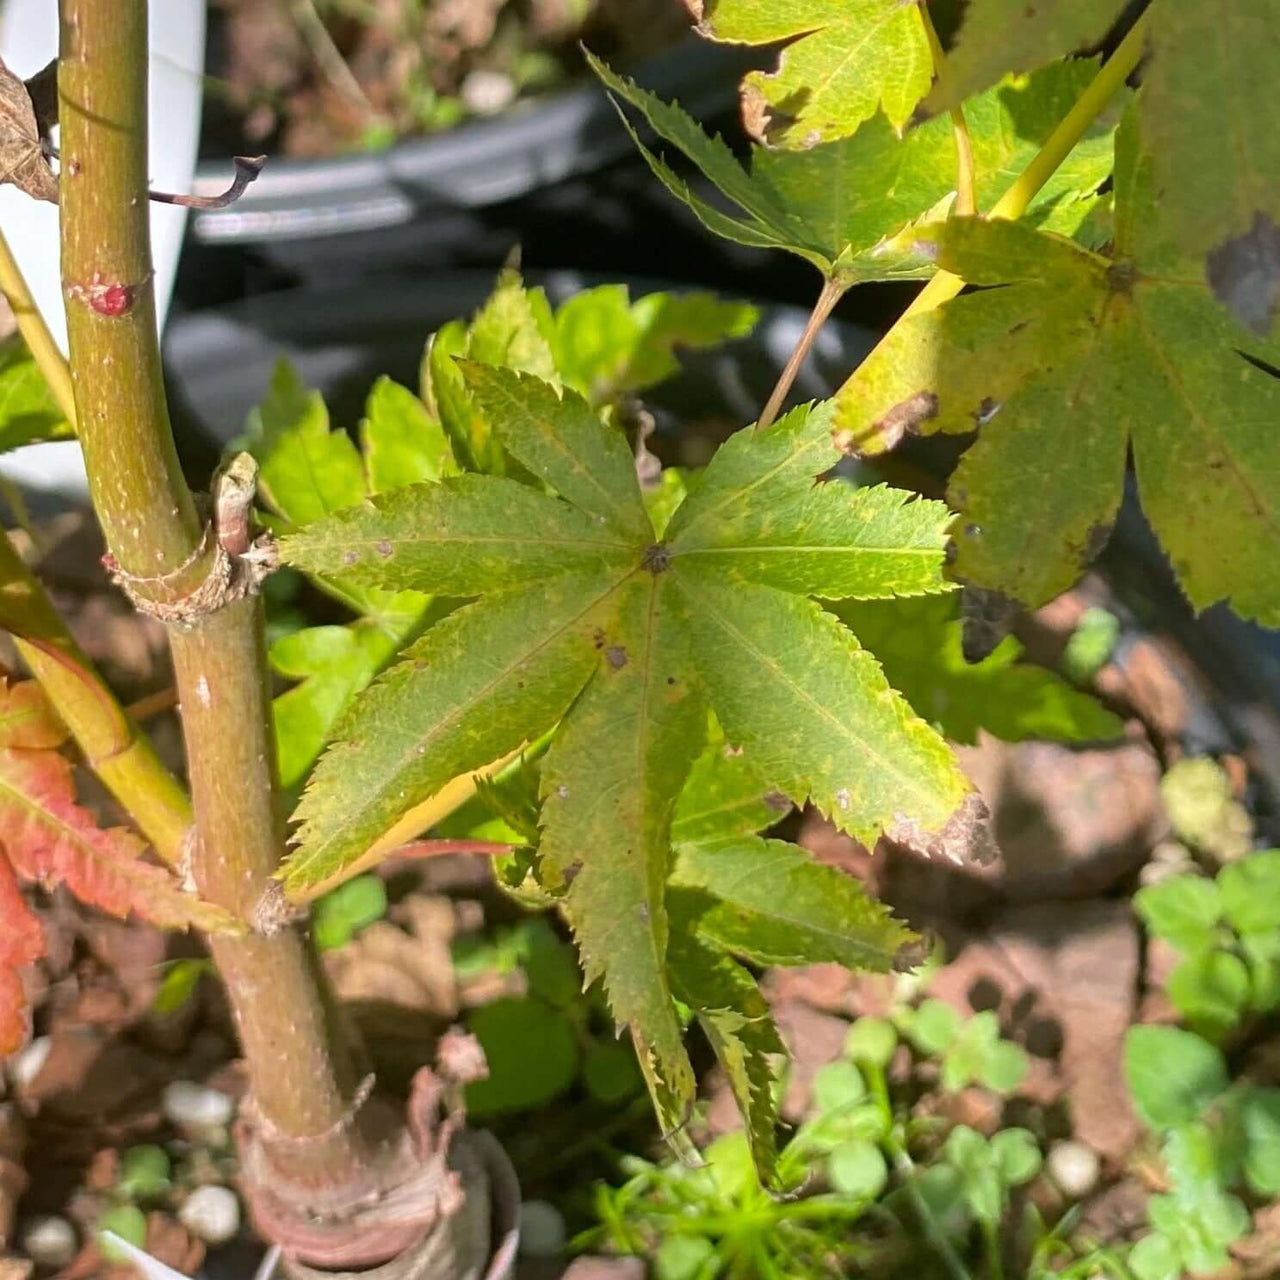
[[22, 161]]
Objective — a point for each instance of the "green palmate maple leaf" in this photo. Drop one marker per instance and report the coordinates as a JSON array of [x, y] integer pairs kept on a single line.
[[605, 345], [734, 1016], [1075, 359], [46, 838], [586, 619], [733, 894], [1001, 36], [1211, 122], [919, 644], [307, 471], [28, 411], [844, 206], [853, 58], [515, 328]]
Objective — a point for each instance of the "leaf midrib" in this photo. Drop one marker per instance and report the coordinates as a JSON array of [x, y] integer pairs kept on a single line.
[[297, 866], [761, 866], [907, 783]]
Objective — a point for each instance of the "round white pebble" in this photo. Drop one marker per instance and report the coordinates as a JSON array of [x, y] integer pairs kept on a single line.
[[25, 1065], [195, 1106], [487, 92], [542, 1233], [212, 1214], [1074, 1167], [49, 1241]]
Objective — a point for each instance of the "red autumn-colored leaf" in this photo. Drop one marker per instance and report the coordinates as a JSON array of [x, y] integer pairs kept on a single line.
[[26, 717], [21, 942], [52, 840]]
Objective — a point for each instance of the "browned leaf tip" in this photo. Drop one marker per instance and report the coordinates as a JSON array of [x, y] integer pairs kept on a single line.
[[22, 158], [965, 839]]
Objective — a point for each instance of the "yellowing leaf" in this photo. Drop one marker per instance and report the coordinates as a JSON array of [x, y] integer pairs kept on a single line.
[[619, 652], [999, 36], [852, 57], [488, 678], [1073, 360], [1212, 125], [784, 677]]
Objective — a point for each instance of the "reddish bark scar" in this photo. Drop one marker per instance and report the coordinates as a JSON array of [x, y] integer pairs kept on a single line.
[[113, 300], [109, 298]]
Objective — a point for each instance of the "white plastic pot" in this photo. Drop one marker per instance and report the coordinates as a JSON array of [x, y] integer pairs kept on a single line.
[[28, 39]]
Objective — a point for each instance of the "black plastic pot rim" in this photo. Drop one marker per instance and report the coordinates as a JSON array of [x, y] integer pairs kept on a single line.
[[475, 164]]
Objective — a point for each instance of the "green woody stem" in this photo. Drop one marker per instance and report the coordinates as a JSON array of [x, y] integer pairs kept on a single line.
[[302, 1072]]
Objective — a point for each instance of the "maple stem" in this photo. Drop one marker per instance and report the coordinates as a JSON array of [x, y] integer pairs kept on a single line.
[[303, 1075], [966, 185], [113, 746], [832, 292], [1013, 204], [35, 333]]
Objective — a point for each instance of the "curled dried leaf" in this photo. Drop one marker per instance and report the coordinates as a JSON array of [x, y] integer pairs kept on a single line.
[[22, 158]]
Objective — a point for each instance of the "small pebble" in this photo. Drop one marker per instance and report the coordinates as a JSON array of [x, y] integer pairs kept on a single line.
[[1155, 871], [194, 1106], [28, 1063], [49, 1241], [212, 1214], [485, 93], [542, 1233], [1074, 1167]]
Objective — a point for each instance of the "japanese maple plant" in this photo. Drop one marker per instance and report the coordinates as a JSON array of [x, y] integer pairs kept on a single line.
[[640, 670]]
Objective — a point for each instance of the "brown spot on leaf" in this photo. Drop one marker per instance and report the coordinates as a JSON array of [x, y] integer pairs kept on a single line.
[[383, 547], [986, 617], [905, 419], [350, 557], [572, 871], [1244, 273], [597, 638], [616, 656], [777, 802]]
